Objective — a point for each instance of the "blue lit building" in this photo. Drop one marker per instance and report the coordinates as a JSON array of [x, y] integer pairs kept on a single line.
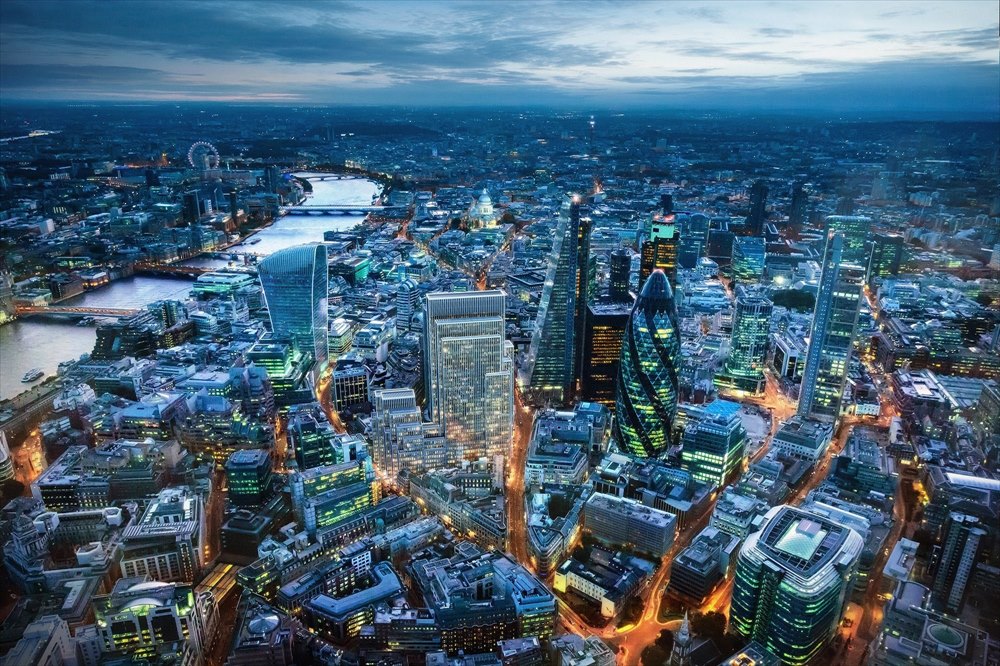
[[646, 401], [295, 286], [792, 583], [714, 449], [744, 369]]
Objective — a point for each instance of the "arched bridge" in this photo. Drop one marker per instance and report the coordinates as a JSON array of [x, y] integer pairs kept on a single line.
[[28, 310], [331, 176], [171, 270], [338, 209]]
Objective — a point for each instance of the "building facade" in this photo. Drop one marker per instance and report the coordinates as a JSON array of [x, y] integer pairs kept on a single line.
[[295, 284]]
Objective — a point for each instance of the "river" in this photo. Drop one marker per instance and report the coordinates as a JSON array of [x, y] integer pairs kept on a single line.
[[43, 343]]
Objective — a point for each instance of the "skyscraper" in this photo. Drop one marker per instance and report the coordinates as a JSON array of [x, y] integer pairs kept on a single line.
[[295, 289], [621, 272], [834, 322], [797, 212], [886, 256], [659, 250], [397, 435], [554, 345], [791, 584], [744, 369], [468, 372], [857, 232], [602, 350], [964, 538], [748, 258], [582, 296], [646, 400], [758, 209], [714, 449]]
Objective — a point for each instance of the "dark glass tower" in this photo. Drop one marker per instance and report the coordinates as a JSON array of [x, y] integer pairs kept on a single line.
[[758, 209], [659, 250], [646, 400], [621, 269], [602, 352], [554, 349]]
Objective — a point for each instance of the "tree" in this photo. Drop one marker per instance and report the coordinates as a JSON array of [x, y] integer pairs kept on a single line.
[[654, 655], [11, 488], [794, 299], [709, 625]]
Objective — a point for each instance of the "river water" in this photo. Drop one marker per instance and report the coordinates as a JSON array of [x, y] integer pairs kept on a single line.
[[44, 342]]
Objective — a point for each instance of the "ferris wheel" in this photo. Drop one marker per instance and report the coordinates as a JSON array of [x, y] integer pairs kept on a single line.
[[203, 155]]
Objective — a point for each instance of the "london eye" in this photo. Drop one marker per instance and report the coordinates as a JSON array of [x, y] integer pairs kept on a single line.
[[203, 155]]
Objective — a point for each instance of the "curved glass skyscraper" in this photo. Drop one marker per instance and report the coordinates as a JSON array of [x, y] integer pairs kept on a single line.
[[646, 401], [295, 289]]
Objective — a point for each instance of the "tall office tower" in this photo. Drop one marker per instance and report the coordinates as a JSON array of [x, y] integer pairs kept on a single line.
[[584, 280], [553, 346], [602, 350], [233, 205], [964, 539], [646, 390], [398, 440], [272, 178], [694, 236], [797, 211], [748, 258], [659, 250], [469, 372], [192, 209], [834, 322], [857, 231], [792, 583], [758, 209], [248, 475], [621, 273], [714, 449], [295, 286], [744, 369], [886, 256]]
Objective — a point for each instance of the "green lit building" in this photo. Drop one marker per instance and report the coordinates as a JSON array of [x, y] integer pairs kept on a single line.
[[886, 256], [748, 258], [311, 437], [646, 387], [328, 496], [792, 583], [714, 449], [744, 369], [248, 473]]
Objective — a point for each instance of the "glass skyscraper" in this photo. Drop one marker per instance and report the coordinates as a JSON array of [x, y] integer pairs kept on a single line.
[[468, 372], [748, 258], [792, 582], [835, 320], [602, 351], [553, 346], [646, 400], [744, 369], [857, 232], [295, 289], [659, 250]]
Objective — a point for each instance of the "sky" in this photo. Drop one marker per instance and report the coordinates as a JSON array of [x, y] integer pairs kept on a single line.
[[860, 56]]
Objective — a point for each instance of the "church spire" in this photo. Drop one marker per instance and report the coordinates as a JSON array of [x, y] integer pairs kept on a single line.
[[680, 655]]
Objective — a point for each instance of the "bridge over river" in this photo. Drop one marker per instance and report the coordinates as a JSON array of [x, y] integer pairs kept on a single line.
[[73, 311], [343, 209]]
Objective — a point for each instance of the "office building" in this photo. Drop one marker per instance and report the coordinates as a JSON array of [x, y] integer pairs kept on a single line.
[[748, 258], [758, 209], [714, 448], [169, 541], [964, 538], [618, 521], [603, 338], [44, 642], [798, 211], [744, 369], [146, 619], [248, 473], [792, 583], [554, 344], [620, 276], [325, 498], [468, 372], [646, 391], [338, 617], [602, 580], [856, 230], [699, 569], [834, 325], [659, 249], [263, 637], [310, 436], [398, 436], [295, 284], [886, 257], [349, 384]]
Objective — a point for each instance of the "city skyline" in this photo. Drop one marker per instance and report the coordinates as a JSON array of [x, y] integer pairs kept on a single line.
[[914, 58]]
